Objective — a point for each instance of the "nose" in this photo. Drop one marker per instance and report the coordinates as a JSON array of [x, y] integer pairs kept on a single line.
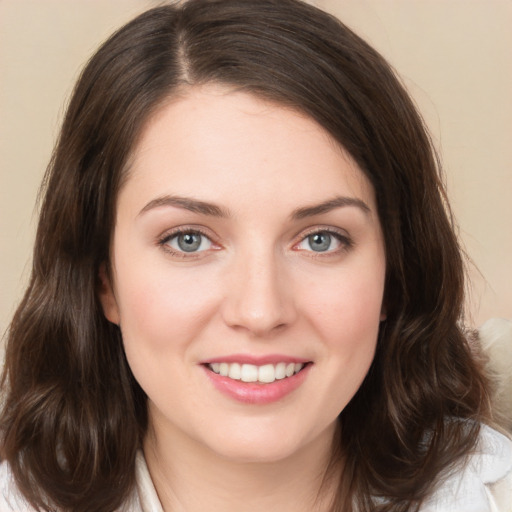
[[258, 296]]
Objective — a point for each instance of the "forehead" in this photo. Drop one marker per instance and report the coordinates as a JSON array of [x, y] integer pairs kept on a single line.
[[220, 145]]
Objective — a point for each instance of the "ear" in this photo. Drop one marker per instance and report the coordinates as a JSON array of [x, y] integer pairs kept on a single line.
[[107, 297], [383, 312]]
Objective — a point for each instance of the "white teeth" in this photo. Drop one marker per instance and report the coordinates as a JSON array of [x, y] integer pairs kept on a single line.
[[267, 373], [234, 371], [224, 369], [280, 371], [249, 373], [264, 374]]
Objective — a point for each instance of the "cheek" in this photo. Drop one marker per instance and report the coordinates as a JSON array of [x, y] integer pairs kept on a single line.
[[348, 303], [162, 307], [163, 314], [345, 312]]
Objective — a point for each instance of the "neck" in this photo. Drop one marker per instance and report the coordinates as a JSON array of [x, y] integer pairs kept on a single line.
[[189, 477]]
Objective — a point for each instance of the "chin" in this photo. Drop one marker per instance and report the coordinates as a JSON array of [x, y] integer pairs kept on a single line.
[[259, 451], [267, 443]]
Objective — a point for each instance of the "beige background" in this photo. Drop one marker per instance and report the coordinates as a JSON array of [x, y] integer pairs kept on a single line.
[[453, 55]]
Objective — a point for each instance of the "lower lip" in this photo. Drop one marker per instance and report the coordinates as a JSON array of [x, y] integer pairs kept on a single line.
[[253, 393]]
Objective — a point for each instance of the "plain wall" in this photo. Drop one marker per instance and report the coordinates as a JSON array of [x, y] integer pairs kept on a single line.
[[453, 56]]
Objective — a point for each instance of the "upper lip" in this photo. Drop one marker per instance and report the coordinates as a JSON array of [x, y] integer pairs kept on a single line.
[[256, 360]]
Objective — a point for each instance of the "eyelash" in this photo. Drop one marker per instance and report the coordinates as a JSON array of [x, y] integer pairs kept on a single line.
[[345, 241], [164, 240]]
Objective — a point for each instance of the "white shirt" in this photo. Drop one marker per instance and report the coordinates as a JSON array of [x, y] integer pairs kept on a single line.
[[484, 484]]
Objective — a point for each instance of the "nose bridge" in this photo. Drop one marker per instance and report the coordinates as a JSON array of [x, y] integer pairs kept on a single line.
[[257, 297]]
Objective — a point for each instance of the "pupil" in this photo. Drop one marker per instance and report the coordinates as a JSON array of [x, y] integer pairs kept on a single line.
[[189, 242], [320, 241]]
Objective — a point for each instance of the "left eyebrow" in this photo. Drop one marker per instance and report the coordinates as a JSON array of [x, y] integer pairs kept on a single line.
[[327, 206]]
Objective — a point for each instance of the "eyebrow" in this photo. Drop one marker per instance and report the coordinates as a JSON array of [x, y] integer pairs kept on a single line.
[[327, 206], [213, 210], [187, 203]]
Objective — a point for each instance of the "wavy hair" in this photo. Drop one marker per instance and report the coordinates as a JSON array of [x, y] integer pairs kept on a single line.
[[73, 416]]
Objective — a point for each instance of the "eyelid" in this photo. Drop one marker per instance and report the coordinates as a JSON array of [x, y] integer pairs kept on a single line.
[[163, 239], [340, 234]]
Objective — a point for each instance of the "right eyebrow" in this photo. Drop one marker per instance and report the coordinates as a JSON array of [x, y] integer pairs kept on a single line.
[[187, 203]]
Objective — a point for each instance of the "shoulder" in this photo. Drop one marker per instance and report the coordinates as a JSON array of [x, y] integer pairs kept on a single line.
[[10, 498], [482, 484]]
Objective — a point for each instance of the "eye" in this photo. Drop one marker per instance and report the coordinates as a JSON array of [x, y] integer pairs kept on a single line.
[[187, 242], [324, 241]]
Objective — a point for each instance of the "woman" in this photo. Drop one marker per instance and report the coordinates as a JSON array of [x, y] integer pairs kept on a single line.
[[246, 288]]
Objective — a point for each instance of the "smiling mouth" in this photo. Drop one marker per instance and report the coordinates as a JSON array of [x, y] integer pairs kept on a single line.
[[264, 374]]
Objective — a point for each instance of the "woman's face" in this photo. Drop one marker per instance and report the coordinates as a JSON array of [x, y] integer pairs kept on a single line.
[[248, 275]]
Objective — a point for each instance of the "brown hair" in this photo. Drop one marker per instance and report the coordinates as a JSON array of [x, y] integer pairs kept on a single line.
[[73, 415]]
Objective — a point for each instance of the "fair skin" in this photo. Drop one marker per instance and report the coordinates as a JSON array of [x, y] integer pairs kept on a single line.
[[244, 234]]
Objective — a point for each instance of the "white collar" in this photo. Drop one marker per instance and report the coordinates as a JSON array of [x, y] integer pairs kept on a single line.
[[146, 497], [467, 488], [473, 487]]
